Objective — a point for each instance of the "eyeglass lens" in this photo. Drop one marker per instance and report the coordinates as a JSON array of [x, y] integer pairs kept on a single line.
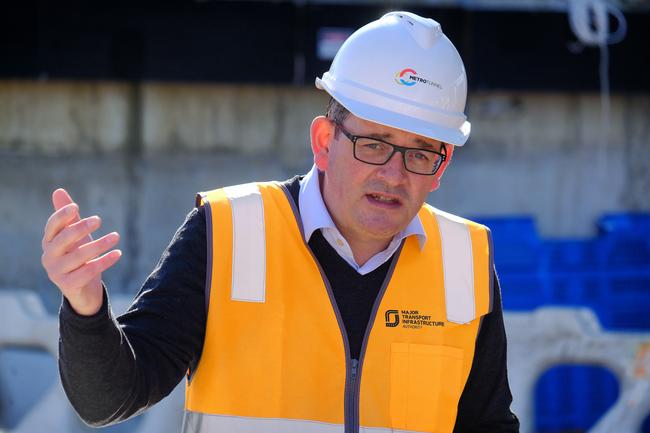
[[416, 160]]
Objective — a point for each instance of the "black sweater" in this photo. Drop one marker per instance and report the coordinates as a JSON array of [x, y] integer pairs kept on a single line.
[[113, 368]]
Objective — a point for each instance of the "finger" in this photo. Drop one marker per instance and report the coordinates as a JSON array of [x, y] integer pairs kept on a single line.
[[87, 252], [80, 242], [60, 198], [59, 220], [63, 242], [80, 278]]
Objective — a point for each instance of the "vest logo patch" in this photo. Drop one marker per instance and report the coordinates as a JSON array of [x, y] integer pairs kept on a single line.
[[392, 318], [410, 319]]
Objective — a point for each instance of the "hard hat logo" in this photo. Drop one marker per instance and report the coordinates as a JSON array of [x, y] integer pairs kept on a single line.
[[408, 77], [402, 76]]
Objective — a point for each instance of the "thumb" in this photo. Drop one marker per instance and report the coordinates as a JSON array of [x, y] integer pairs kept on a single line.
[[60, 198]]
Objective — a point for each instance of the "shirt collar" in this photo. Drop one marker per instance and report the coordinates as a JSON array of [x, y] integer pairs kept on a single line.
[[314, 213]]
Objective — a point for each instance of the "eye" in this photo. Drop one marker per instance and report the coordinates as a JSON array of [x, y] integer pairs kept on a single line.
[[374, 145], [420, 156]]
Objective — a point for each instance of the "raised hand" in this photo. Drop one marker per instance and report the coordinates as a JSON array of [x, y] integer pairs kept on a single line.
[[72, 259]]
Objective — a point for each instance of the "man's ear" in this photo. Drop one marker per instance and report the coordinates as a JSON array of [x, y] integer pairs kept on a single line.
[[443, 167], [321, 134]]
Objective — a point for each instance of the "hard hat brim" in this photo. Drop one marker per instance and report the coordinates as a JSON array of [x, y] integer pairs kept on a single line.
[[398, 119]]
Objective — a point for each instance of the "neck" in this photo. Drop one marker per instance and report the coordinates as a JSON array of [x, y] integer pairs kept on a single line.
[[363, 250]]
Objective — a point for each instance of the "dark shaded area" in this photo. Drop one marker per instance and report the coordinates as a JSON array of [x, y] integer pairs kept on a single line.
[[538, 51], [645, 427], [167, 40], [275, 42]]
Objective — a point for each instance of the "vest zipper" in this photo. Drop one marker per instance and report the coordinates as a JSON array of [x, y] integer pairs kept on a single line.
[[352, 396], [353, 366], [351, 391], [352, 399]]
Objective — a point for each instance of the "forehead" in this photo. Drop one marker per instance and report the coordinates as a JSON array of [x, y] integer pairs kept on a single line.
[[393, 135]]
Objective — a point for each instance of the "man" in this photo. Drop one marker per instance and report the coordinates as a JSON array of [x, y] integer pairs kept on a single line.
[[332, 302]]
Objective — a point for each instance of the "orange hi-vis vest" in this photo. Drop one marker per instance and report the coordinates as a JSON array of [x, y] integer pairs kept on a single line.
[[276, 356]]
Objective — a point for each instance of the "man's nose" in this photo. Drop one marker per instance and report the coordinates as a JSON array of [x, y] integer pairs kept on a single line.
[[394, 169]]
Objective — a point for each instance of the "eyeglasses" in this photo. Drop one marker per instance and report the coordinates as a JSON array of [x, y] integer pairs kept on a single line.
[[378, 152]]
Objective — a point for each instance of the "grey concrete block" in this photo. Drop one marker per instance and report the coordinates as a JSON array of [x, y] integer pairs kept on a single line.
[[54, 117]]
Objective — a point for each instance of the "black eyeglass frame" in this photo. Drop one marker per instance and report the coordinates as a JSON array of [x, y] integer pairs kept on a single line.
[[401, 149]]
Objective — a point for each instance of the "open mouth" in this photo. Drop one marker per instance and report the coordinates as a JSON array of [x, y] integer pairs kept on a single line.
[[383, 199]]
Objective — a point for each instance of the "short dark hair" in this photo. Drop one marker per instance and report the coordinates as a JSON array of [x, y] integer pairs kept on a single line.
[[336, 112]]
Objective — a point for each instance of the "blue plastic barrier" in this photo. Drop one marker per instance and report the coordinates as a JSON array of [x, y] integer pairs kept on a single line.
[[571, 398], [624, 222], [609, 273]]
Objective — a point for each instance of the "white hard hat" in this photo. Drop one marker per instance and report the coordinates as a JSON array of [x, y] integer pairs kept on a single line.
[[402, 71]]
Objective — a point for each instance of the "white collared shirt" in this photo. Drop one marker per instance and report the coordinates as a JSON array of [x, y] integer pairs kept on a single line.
[[314, 216]]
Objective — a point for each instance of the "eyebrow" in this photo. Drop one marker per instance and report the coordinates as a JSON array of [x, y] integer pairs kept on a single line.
[[418, 141], [427, 145]]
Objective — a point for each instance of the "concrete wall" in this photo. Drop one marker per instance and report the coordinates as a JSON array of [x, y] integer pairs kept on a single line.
[[136, 154]]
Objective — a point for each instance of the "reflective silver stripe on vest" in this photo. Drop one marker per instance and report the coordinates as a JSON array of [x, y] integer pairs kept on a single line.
[[458, 268], [248, 243], [195, 422]]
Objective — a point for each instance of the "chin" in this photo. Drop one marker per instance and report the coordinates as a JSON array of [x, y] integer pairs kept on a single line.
[[379, 227], [383, 232]]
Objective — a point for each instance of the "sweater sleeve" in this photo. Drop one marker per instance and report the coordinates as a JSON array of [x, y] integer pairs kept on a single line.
[[484, 405], [113, 368]]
